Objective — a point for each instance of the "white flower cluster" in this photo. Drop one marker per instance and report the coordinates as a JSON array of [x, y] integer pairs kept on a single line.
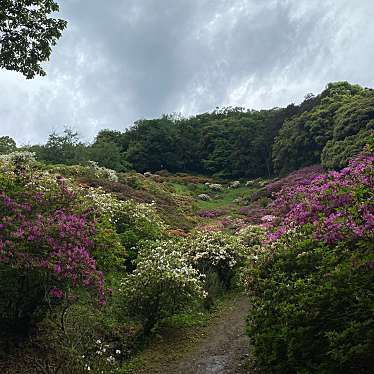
[[254, 239], [213, 248], [18, 157], [129, 211], [163, 261], [101, 172], [11, 161], [104, 357], [163, 277]]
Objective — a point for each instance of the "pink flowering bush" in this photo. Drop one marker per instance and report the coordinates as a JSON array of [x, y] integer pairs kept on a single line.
[[339, 205], [47, 253], [311, 283], [46, 245], [211, 213], [297, 178]]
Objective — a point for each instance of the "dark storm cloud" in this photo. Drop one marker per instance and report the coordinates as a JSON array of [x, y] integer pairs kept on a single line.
[[122, 60]]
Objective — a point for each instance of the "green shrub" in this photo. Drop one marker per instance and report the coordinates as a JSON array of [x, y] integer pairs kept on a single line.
[[312, 306]]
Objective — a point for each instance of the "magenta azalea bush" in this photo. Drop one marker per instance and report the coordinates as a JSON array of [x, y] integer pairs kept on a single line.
[[339, 205], [211, 213], [57, 241], [311, 282], [299, 177], [47, 241]]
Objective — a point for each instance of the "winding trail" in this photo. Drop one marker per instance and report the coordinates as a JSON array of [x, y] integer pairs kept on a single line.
[[219, 348]]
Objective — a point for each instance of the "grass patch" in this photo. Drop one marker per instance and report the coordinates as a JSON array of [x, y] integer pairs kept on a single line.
[[225, 198]]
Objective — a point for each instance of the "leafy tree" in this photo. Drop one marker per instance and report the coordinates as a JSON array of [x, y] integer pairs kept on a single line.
[[63, 149], [27, 34], [337, 153], [355, 115], [301, 139], [108, 155], [152, 145], [7, 145]]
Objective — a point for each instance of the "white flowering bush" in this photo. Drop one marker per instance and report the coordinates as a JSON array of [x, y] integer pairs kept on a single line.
[[135, 222], [18, 157], [91, 170], [15, 165], [216, 255], [163, 283], [253, 237], [213, 249], [102, 172]]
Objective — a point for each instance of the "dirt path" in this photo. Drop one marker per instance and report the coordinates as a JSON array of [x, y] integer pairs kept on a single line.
[[220, 347]]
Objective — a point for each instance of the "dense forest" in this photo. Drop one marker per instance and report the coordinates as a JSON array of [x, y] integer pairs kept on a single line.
[[328, 128]]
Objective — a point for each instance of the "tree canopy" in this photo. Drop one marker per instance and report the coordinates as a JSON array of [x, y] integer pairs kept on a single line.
[[329, 128], [27, 33]]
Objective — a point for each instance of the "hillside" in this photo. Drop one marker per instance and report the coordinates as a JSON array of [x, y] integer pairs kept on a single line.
[[177, 217]]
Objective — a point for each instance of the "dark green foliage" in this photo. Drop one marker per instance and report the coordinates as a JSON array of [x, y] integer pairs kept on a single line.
[[312, 308], [62, 149], [354, 125], [7, 145], [27, 34], [23, 300], [302, 138], [152, 145], [228, 142], [354, 116], [108, 155], [336, 153]]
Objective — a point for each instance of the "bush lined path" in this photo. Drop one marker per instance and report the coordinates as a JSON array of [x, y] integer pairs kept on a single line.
[[220, 347]]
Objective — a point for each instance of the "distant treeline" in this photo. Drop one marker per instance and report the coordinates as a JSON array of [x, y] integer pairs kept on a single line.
[[232, 142]]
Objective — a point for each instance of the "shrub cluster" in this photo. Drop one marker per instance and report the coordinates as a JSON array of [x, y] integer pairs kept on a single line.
[[311, 284]]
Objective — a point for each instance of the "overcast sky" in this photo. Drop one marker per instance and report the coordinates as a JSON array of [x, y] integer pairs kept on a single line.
[[121, 60]]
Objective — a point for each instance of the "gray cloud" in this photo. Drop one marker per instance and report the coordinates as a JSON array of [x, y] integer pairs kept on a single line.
[[123, 60]]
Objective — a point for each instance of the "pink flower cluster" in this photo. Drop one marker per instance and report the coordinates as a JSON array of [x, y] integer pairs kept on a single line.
[[339, 204], [299, 177], [211, 213], [56, 241]]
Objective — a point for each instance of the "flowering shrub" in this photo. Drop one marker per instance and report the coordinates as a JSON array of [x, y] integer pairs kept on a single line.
[[47, 242], [252, 236], [92, 170], [297, 178], [254, 212], [102, 172], [162, 284], [210, 213], [311, 285], [133, 222], [338, 205], [213, 249], [216, 255], [54, 244], [18, 157]]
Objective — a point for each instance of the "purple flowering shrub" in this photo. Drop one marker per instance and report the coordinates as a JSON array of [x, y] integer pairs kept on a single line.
[[297, 178], [58, 242], [46, 246], [339, 205], [311, 284], [254, 212], [211, 213]]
